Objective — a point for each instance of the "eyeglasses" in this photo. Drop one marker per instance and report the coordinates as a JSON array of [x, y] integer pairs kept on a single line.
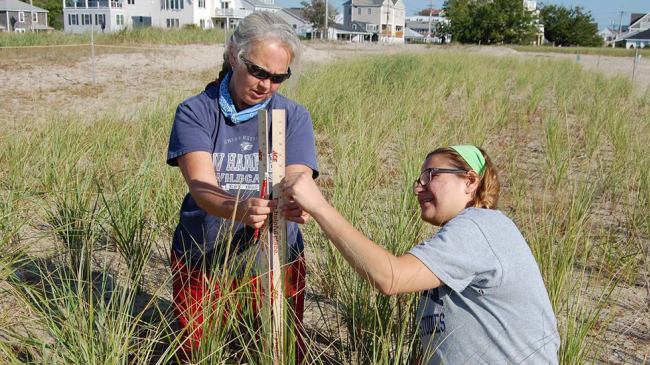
[[260, 73], [427, 175]]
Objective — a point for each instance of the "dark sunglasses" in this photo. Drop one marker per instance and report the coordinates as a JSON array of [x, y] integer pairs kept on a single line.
[[427, 175], [260, 73]]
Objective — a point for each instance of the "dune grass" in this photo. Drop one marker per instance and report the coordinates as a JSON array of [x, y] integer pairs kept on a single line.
[[149, 35], [604, 51], [564, 139]]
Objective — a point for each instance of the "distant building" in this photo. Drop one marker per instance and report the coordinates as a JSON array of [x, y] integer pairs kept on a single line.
[[19, 17], [411, 36], [354, 33], [386, 18], [114, 15], [428, 26], [531, 6], [295, 17], [638, 33], [608, 35]]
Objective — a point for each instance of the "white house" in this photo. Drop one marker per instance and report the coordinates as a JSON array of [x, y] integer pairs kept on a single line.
[[353, 33], [638, 34], [295, 17], [531, 6], [426, 26], [608, 35], [385, 16], [228, 13], [114, 15], [411, 36]]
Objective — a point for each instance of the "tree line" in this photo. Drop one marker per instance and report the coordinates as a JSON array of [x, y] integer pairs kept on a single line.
[[508, 22]]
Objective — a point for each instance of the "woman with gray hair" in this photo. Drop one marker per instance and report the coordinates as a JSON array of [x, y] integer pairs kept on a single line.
[[214, 143]]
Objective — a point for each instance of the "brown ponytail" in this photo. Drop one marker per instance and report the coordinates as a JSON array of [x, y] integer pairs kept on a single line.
[[487, 193]]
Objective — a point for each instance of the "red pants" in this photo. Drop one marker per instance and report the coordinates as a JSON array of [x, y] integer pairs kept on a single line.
[[192, 287]]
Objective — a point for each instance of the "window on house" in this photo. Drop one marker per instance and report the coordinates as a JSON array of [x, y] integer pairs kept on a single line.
[[131, 2], [202, 23], [369, 11], [85, 19], [34, 17], [202, 4], [359, 11], [172, 23], [21, 17], [119, 19], [73, 19], [350, 11]]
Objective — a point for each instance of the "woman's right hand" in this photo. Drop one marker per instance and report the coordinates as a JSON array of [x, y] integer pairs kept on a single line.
[[254, 211]]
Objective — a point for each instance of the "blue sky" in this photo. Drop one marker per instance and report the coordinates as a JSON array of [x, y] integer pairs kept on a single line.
[[603, 11]]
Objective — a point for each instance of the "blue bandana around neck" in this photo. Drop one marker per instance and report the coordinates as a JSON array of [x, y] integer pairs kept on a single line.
[[228, 106]]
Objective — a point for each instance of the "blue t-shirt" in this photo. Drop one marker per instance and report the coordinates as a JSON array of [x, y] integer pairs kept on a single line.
[[199, 125]]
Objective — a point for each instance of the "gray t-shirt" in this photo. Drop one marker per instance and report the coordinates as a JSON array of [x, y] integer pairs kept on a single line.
[[493, 308], [199, 125]]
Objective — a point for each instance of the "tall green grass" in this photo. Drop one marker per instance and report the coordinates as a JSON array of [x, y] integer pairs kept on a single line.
[[150, 35], [570, 146], [604, 51]]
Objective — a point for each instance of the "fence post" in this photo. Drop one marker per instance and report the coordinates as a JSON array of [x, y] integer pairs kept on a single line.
[[92, 47], [636, 60]]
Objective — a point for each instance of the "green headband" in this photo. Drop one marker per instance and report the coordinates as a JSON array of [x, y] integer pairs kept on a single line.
[[472, 156]]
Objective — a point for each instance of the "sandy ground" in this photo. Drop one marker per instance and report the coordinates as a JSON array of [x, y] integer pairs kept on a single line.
[[34, 87], [63, 83]]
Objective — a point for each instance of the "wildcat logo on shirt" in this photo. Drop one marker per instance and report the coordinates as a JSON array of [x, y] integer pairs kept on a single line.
[[435, 322], [240, 171], [246, 146]]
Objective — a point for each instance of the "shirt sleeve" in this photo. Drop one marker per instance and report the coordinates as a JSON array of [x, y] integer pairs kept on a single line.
[[460, 256], [191, 132], [301, 146]]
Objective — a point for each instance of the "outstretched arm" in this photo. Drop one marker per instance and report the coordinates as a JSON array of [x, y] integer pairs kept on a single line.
[[386, 272]]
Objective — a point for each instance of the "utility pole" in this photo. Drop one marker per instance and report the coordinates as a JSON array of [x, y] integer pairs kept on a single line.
[[620, 24], [31, 5], [430, 20], [327, 8]]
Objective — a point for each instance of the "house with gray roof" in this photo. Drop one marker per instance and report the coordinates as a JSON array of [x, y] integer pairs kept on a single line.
[[411, 36], [295, 17], [386, 18], [635, 40], [344, 33], [19, 17], [638, 33]]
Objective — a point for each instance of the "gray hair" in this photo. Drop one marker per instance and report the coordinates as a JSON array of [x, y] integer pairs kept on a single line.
[[260, 27]]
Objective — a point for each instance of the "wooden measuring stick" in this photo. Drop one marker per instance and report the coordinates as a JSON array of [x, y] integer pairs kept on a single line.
[[273, 247], [279, 233], [264, 249]]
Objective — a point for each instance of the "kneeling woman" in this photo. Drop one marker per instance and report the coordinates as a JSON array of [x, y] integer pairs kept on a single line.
[[484, 300]]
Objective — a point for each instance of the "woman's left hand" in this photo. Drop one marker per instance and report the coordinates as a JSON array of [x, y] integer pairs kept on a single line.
[[302, 189], [292, 211]]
